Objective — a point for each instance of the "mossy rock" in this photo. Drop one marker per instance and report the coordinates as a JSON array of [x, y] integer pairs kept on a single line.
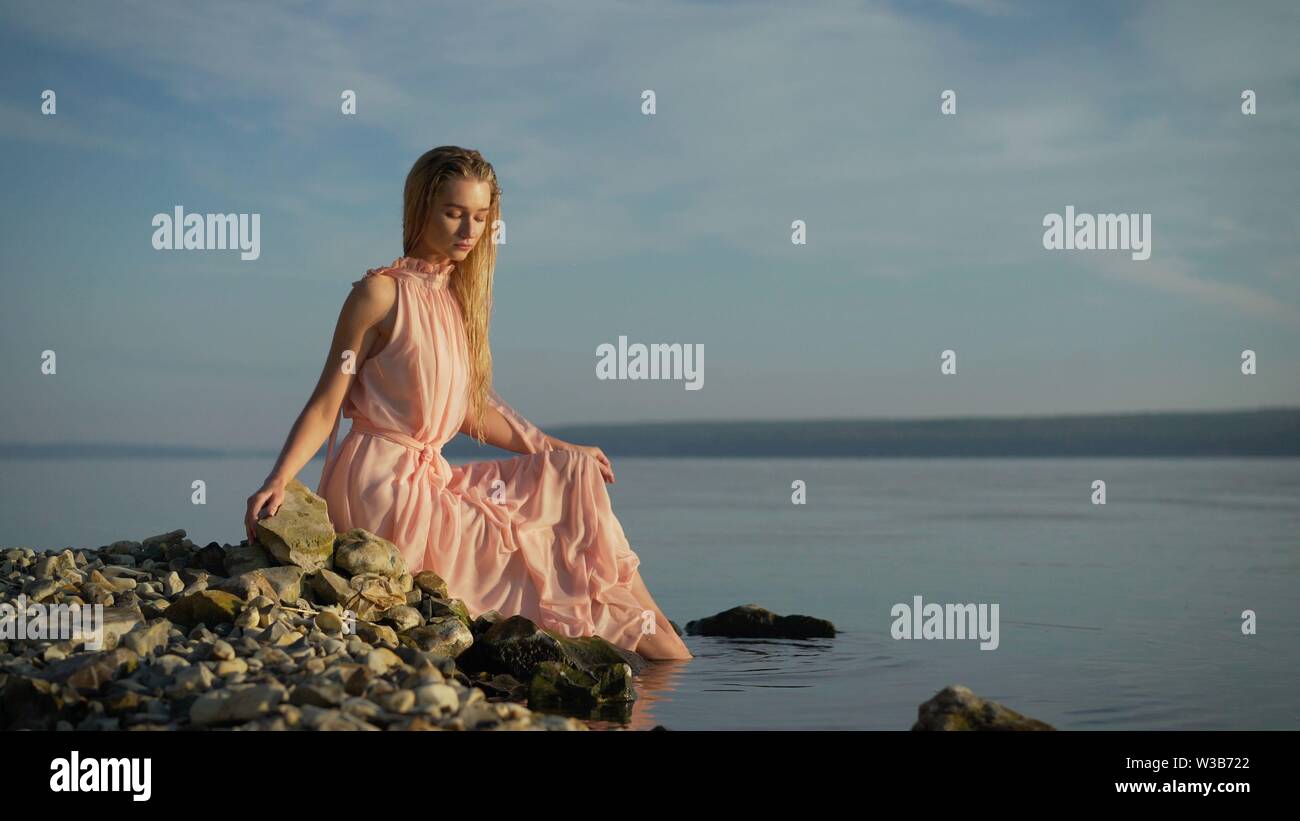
[[517, 646], [206, 606], [300, 533]]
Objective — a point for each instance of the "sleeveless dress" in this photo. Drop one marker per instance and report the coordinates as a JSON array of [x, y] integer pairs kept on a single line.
[[534, 535]]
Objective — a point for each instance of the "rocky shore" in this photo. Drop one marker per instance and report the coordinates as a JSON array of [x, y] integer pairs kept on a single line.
[[308, 629], [304, 629]]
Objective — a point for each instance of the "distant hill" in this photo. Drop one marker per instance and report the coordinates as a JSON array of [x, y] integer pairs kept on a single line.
[[1219, 433], [1227, 433]]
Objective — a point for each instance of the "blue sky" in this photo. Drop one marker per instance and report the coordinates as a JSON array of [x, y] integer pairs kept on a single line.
[[924, 231]]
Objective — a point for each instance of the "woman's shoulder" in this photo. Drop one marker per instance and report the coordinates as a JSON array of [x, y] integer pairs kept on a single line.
[[390, 272], [376, 291]]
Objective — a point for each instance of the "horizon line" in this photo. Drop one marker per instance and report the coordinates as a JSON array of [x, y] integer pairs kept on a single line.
[[101, 449]]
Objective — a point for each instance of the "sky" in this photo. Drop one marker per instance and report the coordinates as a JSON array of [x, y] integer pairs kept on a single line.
[[924, 230]]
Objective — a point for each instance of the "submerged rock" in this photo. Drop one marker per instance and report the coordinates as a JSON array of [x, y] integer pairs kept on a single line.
[[752, 621], [956, 708]]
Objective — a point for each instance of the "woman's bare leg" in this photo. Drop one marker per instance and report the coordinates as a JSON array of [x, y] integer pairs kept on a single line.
[[663, 643]]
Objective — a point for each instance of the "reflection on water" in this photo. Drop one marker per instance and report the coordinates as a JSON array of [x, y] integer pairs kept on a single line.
[[739, 675]]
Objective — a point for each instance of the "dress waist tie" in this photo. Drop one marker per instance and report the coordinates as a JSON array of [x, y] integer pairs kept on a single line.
[[430, 452]]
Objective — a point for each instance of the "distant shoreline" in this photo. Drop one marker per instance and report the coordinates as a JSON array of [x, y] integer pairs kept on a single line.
[[1186, 434]]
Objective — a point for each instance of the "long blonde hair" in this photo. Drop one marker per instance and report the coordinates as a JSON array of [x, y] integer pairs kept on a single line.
[[471, 282]]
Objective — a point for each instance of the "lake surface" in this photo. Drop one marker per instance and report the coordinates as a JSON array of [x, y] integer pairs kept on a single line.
[[1119, 616]]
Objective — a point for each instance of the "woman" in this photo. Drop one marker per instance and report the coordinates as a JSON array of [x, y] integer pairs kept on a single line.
[[534, 535]]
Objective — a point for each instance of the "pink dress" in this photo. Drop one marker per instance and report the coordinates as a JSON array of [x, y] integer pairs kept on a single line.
[[534, 535]]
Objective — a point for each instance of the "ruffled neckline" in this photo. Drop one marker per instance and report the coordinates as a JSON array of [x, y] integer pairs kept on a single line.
[[436, 275]]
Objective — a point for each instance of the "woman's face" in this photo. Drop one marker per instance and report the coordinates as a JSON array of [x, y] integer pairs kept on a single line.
[[458, 220]]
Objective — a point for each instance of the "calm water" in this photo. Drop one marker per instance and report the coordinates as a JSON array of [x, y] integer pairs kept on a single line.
[[1119, 616]]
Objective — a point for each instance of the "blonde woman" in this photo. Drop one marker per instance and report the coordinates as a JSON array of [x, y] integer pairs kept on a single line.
[[534, 535]]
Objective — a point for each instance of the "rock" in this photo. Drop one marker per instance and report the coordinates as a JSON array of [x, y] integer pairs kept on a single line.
[[230, 667], [148, 638], [280, 584], [152, 541], [198, 585], [956, 708], [237, 703], [208, 607], [318, 694], [91, 671], [431, 583], [300, 532], [96, 594], [362, 708], [445, 636], [485, 622], [433, 666], [242, 559], [380, 660], [329, 587], [752, 621], [503, 684], [432, 608], [55, 565], [398, 701], [115, 585], [191, 680], [172, 584], [117, 622], [329, 622], [42, 589], [442, 699], [213, 559], [377, 634], [403, 618], [359, 551], [516, 646], [594, 654], [333, 720], [557, 685], [373, 594]]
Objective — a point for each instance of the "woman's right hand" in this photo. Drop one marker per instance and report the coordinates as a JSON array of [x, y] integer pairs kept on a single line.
[[270, 495]]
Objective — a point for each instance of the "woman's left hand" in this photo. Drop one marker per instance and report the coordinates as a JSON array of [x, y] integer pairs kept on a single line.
[[606, 470]]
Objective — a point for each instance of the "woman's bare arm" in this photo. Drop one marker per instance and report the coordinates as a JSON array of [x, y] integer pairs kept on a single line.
[[356, 331], [497, 432], [500, 433]]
